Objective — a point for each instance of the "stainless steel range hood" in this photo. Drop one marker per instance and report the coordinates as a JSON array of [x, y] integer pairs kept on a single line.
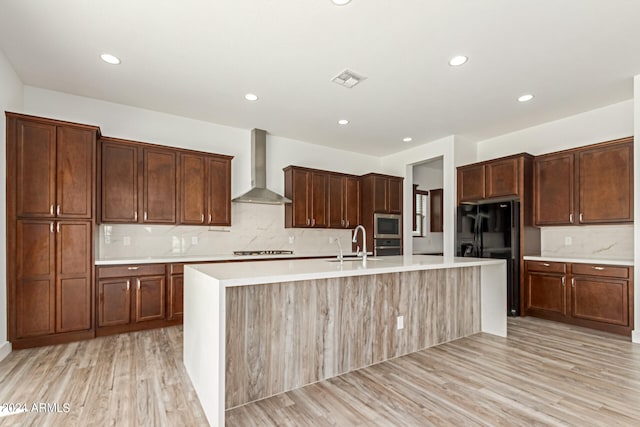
[[259, 192]]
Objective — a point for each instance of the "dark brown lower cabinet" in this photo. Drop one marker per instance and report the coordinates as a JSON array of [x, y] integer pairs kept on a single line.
[[53, 282], [591, 295], [131, 298]]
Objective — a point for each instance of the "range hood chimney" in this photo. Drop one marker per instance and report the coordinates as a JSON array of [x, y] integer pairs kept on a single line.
[[259, 192]]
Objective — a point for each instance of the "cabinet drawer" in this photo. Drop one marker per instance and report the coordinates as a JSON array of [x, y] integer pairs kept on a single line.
[[131, 270], [600, 270], [176, 269], [547, 266]]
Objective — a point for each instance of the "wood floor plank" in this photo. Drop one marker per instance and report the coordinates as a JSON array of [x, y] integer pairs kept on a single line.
[[542, 374]]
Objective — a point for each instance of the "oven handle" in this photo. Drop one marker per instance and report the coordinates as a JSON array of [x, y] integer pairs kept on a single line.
[[388, 247]]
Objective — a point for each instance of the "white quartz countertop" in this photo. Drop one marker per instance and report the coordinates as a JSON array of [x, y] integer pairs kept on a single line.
[[624, 262], [253, 273], [208, 258]]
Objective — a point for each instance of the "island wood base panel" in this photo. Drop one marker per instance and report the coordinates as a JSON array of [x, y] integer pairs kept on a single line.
[[283, 336]]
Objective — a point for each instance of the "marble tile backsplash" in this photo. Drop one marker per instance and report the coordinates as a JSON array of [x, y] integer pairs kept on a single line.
[[254, 227], [594, 241]]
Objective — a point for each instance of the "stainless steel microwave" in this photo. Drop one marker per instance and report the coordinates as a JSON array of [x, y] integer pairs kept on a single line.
[[387, 226]]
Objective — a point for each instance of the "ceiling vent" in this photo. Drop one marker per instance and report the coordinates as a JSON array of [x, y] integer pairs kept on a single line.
[[348, 79]]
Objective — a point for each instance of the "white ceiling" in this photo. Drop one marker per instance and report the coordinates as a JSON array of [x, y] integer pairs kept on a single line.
[[197, 58]]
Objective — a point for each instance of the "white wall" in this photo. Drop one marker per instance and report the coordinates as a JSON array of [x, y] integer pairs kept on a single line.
[[401, 164], [121, 121], [11, 89], [636, 202], [428, 176], [603, 124]]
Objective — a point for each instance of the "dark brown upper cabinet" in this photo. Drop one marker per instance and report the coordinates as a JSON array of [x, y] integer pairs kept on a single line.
[[146, 183], [344, 201], [384, 192], [308, 191], [495, 179], [55, 170], [588, 185]]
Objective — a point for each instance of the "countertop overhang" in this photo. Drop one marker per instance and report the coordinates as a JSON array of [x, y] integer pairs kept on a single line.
[[255, 273], [575, 260]]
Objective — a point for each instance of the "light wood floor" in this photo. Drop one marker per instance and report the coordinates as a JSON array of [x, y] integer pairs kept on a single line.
[[544, 373]]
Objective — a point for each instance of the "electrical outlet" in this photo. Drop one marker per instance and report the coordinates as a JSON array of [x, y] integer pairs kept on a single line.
[[292, 239], [331, 240], [567, 241], [400, 322], [194, 240], [126, 241]]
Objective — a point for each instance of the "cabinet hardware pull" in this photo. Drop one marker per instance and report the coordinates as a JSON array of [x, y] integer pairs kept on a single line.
[[138, 282], [128, 284], [209, 218], [58, 227], [202, 218], [51, 226], [58, 210], [133, 268], [571, 218], [308, 221], [347, 223], [145, 215], [313, 221], [342, 222], [573, 282], [598, 268], [563, 281], [546, 264], [580, 216], [135, 216], [51, 210]]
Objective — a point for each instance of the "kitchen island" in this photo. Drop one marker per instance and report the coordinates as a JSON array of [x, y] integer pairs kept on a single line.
[[252, 330]]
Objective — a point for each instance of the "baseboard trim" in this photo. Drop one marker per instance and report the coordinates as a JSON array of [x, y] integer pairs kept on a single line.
[[5, 350], [635, 336]]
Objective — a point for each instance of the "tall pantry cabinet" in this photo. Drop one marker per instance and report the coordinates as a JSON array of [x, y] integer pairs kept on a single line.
[[50, 223]]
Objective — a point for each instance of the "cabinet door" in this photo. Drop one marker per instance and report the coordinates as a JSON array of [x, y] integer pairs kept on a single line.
[[471, 183], [35, 282], [352, 202], [300, 195], [75, 176], [606, 184], [193, 189], [501, 178], [600, 299], [436, 210], [176, 296], [159, 186], [318, 209], [380, 194], [336, 201], [114, 303], [119, 182], [73, 283], [553, 190], [219, 191], [150, 298], [35, 169], [545, 293], [394, 196]]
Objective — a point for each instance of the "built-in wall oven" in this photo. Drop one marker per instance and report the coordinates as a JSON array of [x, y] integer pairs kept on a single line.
[[387, 234]]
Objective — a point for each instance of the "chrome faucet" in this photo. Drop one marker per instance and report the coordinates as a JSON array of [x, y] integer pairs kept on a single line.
[[364, 242], [341, 256]]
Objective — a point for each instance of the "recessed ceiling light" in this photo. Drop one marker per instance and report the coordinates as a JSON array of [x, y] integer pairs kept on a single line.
[[525, 98], [343, 122], [110, 59], [456, 61], [251, 97], [341, 2], [407, 139]]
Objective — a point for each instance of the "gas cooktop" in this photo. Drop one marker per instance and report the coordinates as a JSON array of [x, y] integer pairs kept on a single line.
[[264, 252]]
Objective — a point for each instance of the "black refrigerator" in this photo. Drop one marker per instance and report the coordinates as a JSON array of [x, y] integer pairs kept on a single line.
[[491, 230]]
